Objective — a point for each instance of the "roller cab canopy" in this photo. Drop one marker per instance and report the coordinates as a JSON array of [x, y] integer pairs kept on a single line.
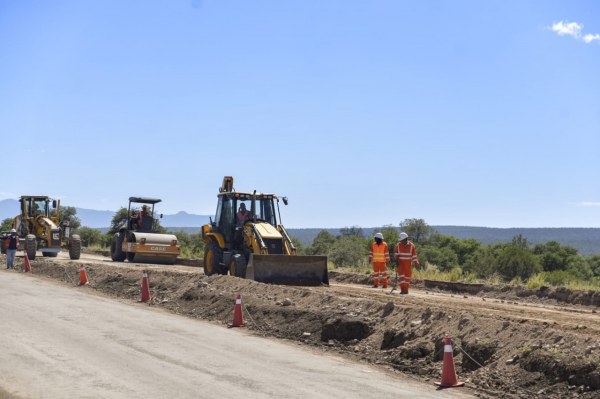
[[144, 200]]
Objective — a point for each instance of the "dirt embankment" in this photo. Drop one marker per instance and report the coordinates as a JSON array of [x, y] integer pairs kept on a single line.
[[508, 343]]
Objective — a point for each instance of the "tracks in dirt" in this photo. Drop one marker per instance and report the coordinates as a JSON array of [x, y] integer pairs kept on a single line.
[[580, 318], [576, 318]]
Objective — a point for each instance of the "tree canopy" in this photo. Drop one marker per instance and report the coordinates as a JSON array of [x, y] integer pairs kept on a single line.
[[69, 214]]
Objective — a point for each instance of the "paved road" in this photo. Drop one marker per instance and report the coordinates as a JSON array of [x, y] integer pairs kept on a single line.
[[60, 342]]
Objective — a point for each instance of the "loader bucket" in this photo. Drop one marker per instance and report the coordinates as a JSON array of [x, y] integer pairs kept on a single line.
[[288, 269]]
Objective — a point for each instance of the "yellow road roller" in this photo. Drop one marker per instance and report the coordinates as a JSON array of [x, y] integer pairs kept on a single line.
[[138, 239]]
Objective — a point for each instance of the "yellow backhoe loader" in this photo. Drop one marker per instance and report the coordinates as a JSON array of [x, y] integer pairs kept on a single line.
[[138, 239], [39, 228], [248, 240]]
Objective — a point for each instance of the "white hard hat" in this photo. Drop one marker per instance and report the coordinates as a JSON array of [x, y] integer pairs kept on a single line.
[[403, 236], [379, 235], [13, 230]]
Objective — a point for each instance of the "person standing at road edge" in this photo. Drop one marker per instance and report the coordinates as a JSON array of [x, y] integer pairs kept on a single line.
[[406, 254], [380, 256], [11, 249]]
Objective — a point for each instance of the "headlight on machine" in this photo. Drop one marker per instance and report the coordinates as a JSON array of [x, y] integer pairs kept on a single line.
[[173, 242]]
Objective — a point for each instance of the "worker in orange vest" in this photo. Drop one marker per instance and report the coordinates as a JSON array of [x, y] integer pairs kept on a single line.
[[242, 215], [380, 256], [406, 254], [12, 243]]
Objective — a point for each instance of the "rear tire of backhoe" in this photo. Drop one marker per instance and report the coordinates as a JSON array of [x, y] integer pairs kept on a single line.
[[116, 251], [75, 247], [30, 246], [50, 254], [213, 256]]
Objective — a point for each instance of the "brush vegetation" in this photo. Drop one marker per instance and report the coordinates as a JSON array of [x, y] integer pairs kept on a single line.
[[442, 257]]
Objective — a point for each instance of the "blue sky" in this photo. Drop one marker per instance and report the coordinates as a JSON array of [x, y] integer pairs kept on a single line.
[[478, 113]]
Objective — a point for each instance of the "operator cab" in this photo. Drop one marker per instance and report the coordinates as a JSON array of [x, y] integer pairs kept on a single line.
[[37, 206], [141, 218], [236, 209]]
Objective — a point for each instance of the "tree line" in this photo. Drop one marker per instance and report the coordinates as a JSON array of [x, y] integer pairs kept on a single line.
[[468, 259]]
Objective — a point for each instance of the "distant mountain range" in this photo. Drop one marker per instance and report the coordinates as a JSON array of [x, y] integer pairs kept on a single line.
[[585, 240]]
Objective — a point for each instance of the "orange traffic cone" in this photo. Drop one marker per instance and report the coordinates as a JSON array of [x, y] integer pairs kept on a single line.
[[237, 313], [83, 279], [145, 288], [26, 264], [449, 379]]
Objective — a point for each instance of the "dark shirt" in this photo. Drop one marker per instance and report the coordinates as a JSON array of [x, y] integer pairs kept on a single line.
[[13, 241]]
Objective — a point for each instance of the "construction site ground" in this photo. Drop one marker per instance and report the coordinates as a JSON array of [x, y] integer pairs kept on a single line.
[[509, 342]]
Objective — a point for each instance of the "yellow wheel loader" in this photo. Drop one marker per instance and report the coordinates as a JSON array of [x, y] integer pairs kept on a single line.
[[247, 240], [138, 239], [39, 228]]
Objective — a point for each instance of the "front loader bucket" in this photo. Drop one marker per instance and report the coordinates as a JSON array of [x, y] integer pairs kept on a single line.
[[288, 269]]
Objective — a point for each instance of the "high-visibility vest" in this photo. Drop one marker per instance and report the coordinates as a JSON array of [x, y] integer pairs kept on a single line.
[[243, 216], [405, 253], [379, 253], [12, 241]]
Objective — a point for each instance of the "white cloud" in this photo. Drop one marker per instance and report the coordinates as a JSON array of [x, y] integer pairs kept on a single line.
[[567, 29], [590, 38], [588, 203], [574, 29]]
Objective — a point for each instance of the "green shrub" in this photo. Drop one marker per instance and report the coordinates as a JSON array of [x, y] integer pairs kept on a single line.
[[192, 245], [91, 237], [558, 277], [347, 252], [537, 281], [444, 258], [516, 261], [455, 274]]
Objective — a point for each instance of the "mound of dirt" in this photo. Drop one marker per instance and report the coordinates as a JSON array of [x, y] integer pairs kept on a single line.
[[508, 343]]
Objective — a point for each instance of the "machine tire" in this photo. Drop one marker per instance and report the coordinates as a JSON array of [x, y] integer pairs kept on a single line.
[[130, 256], [213, 256], [116, 251], [237, 266], [49, 254], [30, 246], [75, 247]]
